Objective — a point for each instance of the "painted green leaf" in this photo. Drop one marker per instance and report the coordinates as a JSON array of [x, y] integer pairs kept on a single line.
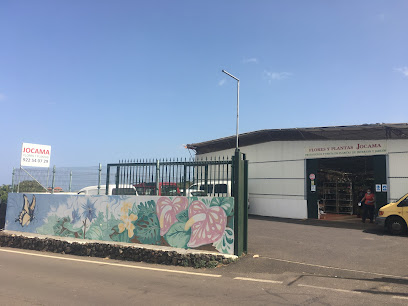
[[226, 203], [178, 237], [147, 208], [134, 209], [183, 216], [192, 199], [107, 228], [230, 223], [205, 200], [226, 243], [64, 228], [119, 237], [94, 232], [148, 229], [48, 227]]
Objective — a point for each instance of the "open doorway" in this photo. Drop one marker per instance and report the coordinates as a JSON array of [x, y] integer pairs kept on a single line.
[[341, 183]]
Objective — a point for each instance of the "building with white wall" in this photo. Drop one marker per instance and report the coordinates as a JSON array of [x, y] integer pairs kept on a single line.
[[291, 171]]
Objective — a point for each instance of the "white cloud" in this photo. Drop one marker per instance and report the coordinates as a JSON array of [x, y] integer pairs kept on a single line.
[[277, 76], [222, 82], [250, 60], [403, 70], [2, 97]]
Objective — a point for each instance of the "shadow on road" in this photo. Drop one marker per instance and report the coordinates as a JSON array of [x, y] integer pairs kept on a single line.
[[380, 280], [370, 228]]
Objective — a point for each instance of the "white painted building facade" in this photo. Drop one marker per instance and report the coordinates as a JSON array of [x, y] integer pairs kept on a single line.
[[278, 177]]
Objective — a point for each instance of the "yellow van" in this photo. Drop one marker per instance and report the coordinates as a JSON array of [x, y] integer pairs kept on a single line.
[[394, 216]]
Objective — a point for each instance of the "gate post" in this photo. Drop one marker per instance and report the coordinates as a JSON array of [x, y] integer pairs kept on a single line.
[[117, 179], [240, 193], [12, 181], [53, 179], [70, 181], [185, 181], [107, 179], [99, 178], [158, 177]]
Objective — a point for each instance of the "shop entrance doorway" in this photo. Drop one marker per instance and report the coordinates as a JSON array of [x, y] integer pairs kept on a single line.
[[340, 183]]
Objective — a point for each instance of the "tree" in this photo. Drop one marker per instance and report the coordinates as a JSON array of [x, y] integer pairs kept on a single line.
[[29, 186], [4, 190]]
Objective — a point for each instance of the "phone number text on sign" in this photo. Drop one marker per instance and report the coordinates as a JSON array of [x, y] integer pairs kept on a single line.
[[34, 155], [33, 160]]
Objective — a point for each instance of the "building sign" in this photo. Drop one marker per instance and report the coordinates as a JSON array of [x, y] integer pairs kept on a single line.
[[347, 149], [35, 155]]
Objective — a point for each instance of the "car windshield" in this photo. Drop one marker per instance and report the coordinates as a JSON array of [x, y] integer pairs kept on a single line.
[[401, 197]]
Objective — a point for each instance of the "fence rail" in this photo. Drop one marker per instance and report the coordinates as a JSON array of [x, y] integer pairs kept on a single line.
[[188, 177], [200, 177], [61, 179]]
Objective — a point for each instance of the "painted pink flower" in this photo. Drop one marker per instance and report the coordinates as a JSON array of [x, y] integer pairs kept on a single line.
[[207, 224], [167, 210]]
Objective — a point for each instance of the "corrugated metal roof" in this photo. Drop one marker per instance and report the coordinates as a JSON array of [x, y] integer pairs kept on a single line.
[[350, 132]]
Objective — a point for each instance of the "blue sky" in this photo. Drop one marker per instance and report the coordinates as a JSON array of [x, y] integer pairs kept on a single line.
[[102, 80]]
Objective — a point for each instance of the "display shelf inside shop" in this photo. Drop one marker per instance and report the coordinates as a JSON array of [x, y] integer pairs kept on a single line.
[[338, 197]]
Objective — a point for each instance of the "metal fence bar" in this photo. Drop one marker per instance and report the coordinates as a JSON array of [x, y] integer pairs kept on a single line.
[[166, 177]]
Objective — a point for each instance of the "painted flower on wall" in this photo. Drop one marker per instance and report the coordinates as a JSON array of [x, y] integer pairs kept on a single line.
[[127, 224], [89, 210], [126, 207], [75, 216], [167, 211], [207, 223]]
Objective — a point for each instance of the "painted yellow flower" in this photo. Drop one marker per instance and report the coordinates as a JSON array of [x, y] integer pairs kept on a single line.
[[126, 207], [127, 224]]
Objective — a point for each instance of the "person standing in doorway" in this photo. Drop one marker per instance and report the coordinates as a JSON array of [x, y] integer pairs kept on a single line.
[[360, 204], [369, 202]]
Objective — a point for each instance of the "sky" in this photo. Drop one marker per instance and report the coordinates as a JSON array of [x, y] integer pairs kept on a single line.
[[101, 81]]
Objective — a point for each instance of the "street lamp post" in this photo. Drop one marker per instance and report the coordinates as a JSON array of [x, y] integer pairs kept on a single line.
[[229, 74]]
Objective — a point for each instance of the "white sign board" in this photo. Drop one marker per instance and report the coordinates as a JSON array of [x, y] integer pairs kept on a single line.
[[377, 187], [35, 155], [384, 188], [346, 149]]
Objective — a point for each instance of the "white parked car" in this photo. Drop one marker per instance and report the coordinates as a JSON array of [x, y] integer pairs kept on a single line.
[[214, 189], [124, 189]]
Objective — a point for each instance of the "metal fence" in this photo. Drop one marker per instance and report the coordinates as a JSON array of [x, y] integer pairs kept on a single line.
[[188, 177], [198, 177], [59, 179]]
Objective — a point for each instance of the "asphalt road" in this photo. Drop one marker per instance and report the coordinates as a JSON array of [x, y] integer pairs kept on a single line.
[[298, 264]]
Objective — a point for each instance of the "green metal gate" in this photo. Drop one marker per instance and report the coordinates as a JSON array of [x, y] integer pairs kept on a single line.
[[216, 177]]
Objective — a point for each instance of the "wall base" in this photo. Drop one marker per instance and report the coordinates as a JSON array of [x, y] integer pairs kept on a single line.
[[123, 251], [283, 208]]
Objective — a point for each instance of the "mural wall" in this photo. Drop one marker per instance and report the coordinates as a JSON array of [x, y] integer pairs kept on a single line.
[[198, 222]]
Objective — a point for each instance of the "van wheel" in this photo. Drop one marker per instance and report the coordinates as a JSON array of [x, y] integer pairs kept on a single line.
[[396, 226]]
